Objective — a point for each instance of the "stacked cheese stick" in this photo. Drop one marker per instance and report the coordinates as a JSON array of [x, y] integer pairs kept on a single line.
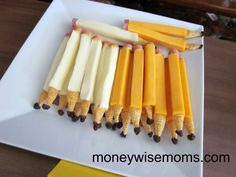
[[124, 78]]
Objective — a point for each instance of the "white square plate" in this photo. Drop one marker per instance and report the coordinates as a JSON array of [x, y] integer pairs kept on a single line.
[[47, 133]]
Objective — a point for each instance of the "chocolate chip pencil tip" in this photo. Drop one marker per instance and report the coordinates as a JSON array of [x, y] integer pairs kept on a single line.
[[82, 118], [137, 130], [156, 138], [70, 114], [150, 121], [119, 125], [96, 125], [109, 125], [123, 135], [114, 126], [150, 134], [74, 118], [36, 106], [179, 132], [45, 107], [174, 140], [60, 112], [191, 136]]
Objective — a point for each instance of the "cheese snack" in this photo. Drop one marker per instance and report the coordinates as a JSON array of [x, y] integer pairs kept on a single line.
[[177, 100], [160, 111], [136, 98], [125, 114], [188, 119], [64, 67], [143, 121], [118, 99], [53, 67], [88, 84], [166, 29], [103, 89], [169, 117], [106, 30], [149, 97], [75, 81], [163, 39]]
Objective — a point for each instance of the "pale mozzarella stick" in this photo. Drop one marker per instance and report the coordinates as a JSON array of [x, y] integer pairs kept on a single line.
[[177, 99], [149, 87], [88, 84], [160, 110], [66, 64], [103, 90], [76, 79], [55, 62], [169, 117], [63, 95], [118, 99], [106, 30], [137, 88], [143, 121]]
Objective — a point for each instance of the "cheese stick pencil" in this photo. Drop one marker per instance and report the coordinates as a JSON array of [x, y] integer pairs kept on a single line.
[[160, 107], [88, 84], [188, 119], [136, 98], [163, 39], [55, 62], [63, 95], [75, 81], [118, 99], [166, 29], [106, 30], [64, 67], [177, 100], [103, 90], [143, 121], [125, 114], [149, 97], [169, 117]]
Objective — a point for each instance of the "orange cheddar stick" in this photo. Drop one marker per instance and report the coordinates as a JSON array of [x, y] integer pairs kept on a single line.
[[163, 39], [166, 29], [177, 100], [136, 97], [169, 117], [160, 107], [188, 119], [117, 100], [149, 97], [125, 114], [143, 121]]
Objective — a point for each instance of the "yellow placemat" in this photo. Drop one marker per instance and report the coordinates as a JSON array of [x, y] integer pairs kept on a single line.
[[69, 169]]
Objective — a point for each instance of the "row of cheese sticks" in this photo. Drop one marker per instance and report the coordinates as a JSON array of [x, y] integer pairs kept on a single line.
[[83, 72]]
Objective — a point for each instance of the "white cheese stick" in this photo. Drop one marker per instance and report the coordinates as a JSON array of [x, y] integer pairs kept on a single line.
[[65, 65], [106, 30], [75, 81], [88, 84], [103, 89], [53, 67]]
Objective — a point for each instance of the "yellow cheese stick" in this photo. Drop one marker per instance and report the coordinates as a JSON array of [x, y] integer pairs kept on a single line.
[[55, 62], [166, 29], [118, 99], [125, 114], [160, 107], [163, 39], [188, 119], [177, 100], [106, 30], [143, 121], [169, 117], [149, 97], [64, 67], [75, 81], [88, 84], [136, 98]]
